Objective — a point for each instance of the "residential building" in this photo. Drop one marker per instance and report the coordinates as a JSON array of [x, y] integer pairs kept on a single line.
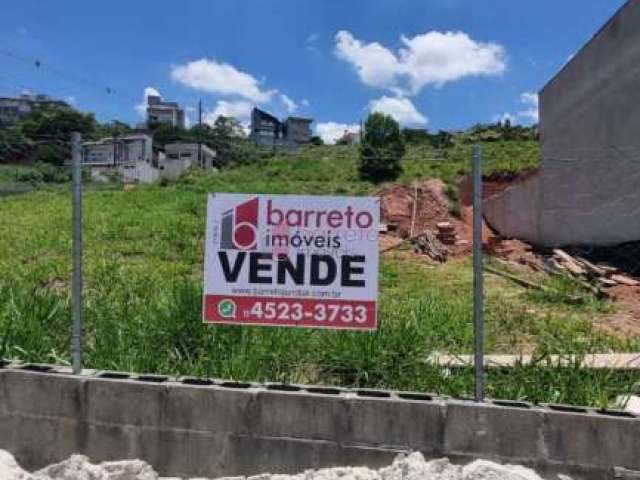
[[136, 159], [159, 111], [265, 128], [131, 156], [268, 130], [118, 151], [13, 108], [297, 130], [181, 156], [587, 188], [349, 138]]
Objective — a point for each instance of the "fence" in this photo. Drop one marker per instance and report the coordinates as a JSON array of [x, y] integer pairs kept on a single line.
[[142, 304]]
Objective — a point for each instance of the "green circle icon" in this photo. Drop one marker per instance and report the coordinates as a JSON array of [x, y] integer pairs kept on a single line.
[[227, 308]]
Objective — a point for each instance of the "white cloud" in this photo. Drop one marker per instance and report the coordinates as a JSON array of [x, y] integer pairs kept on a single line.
[[304, 102], [432, 58], [141, 108], [376, 65], [530, 114], [531, 101], [211, 76], [400, 108], [240, 110], [330, 132], [438, 58], [289, 105]]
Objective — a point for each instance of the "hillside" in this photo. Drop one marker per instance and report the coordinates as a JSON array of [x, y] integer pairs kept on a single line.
[[144, 251]]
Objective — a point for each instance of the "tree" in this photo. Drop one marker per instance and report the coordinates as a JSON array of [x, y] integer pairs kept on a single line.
[[14, 146], [115, 128], [164, 133], [227, 127], [230, 143], [382, 149], [53, 122]]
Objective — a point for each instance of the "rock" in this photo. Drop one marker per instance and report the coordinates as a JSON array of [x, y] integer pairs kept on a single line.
[[128, 470], [78, 467], [414, 467], [9, 468], [405, 467], [484, 470]]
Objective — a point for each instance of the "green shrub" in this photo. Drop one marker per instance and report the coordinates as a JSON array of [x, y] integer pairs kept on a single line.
[[43, 173]]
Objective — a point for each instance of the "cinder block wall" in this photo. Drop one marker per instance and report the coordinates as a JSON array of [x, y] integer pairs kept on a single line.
[[190, 427]]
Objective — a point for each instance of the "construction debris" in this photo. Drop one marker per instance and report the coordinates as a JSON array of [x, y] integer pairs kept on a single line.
[[429, 244], [598, 276], [446, 233]]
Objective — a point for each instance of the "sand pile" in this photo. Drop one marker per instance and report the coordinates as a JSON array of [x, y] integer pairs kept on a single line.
[[405, 467]]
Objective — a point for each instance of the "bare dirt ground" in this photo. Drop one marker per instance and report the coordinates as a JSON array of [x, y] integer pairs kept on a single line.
[[625, 321], [433, 206]]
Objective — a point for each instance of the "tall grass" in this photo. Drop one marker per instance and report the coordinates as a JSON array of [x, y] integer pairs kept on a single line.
[[143, 263]]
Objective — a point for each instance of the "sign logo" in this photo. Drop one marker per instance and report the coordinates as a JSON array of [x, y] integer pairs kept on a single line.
[[239, 226], [227, 308]]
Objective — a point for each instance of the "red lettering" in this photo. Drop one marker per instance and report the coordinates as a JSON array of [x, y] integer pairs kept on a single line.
[[315, 218], [334, 219], [368, 219], [272, 211]]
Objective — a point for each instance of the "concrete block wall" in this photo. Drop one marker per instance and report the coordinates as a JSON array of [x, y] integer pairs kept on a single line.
[[586, 191], [193, 427]]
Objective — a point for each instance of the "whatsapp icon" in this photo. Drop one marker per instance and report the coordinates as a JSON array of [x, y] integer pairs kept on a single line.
[[227, 308]]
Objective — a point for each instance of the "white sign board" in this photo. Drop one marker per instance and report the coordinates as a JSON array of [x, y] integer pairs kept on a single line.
[[289, 260]]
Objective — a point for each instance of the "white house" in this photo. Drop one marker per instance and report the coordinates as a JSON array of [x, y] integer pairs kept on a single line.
[[136, 160], [181, 156]]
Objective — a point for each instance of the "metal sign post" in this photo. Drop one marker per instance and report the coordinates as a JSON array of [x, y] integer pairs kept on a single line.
[[478, 291], [76, 287]]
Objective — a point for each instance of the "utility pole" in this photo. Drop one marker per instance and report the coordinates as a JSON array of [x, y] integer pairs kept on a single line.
[[76, 286], [200, 134]]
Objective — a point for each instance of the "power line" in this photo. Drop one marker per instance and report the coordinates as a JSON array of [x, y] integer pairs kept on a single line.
[[66, 74]]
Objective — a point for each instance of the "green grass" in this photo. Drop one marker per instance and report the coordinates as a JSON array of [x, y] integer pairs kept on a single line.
[[143, 267]]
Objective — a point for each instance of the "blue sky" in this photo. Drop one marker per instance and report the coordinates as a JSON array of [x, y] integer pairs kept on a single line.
[[443, 64]]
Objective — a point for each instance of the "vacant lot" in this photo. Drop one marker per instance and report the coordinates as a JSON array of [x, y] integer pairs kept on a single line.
[[144, 250]]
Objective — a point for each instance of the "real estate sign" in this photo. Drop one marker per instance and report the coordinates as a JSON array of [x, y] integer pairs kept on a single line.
[[289, 260]]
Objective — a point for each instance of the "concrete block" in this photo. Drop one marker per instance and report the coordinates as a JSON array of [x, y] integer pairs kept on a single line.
[[485, 430], [406, 424], [124, 402], [301, 415], [182, 453], [41, 394], [255, 455], [104, 442], [209, 408], [623, 474], [38, 441], [601, 441]]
